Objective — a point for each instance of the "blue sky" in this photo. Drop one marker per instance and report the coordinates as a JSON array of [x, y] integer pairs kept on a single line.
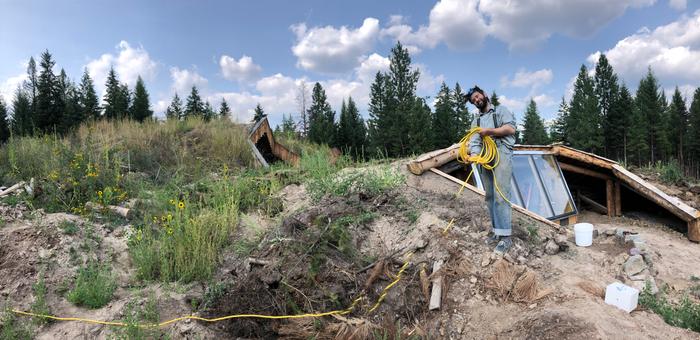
[[250, 52]]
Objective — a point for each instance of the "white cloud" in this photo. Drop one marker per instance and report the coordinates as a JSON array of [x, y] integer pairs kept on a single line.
[[525, 24], [457, 23], [523, 78], [543, 101], [333, 50], [184, 79], [239, 70], [277, 93], [522, 24], [671, 50], [9, 86], [678, 4], [515, 105], [129, 63]]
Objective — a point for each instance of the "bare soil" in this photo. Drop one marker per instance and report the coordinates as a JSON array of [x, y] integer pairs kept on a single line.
[[320, 256]]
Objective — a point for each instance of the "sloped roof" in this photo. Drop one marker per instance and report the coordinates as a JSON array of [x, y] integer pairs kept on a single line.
[[433, 159]]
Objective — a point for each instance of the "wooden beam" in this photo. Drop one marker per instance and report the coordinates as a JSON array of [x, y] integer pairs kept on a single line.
[[583, 171], [694, 230], [436, 296], [433, 159], [595, 205], [517, 208], [12, 188], [610, 197], [618, 199], [585, 157], [672, 204]]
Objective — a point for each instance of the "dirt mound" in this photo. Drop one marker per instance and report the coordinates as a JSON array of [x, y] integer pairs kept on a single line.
[[552, 325]]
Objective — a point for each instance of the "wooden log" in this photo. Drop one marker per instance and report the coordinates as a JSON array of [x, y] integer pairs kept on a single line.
[[597, 207], [610, 197], [433, 159], [583, 171], [436, 296], [694, 230], [121, 211], [618, 199], [12, 188], [585, 157]]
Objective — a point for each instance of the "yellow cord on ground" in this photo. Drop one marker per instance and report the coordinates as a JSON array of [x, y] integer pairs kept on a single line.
[[488, 158], [386, 289], [236, 316]]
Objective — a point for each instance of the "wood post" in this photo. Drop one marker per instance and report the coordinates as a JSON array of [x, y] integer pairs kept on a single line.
[[694, 230], [610, 197], [436, 297], [618, 200]]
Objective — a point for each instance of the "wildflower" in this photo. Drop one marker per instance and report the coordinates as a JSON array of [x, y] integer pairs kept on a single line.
[[172, 202], [155, 219], [99, 194], [170, 231], [181, 205], [170, 217], [139, 234], [163, 218]]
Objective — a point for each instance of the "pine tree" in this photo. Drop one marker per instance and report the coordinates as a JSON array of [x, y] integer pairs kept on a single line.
[[73, 112], [49, 107], [174, 110], [31, 87], [583, 125], [678, 127], [665, 147], [558, 130], [88, 100], [116, 97], [125, 97], [140, 107], [4, 123], [618, 124], [694, 133], [396, 114], [446, 124], [224, 109], [259, 114], [194, 106], [351, 130], [321, 117], [209, 112], [607, 91], [494, 99], [22, 114], [381, 120], [418, 136], [534, 132], [288, 126], [648, 103], [461, 110]]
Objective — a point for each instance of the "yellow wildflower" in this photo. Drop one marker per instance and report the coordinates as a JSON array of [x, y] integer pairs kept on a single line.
[[181, 205]]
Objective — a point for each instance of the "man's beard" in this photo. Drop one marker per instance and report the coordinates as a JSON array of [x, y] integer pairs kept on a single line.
[[484, 104]]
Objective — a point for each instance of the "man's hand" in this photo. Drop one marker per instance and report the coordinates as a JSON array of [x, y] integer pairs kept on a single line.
[[486, 132]]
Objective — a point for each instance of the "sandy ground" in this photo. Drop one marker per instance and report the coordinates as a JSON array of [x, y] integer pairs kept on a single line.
[[472, 307]]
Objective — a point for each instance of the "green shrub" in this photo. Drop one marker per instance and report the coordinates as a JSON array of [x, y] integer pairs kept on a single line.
[[94, 286], [12, 328], [39, 305], [685, 315]]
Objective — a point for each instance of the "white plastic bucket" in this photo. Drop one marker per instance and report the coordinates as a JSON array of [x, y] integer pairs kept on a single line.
[[583, 233]]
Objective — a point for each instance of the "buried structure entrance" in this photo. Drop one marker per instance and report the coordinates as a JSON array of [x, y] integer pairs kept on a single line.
[[551, 181]]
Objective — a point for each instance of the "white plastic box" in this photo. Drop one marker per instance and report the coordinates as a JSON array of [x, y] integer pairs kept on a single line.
[[622, 296]]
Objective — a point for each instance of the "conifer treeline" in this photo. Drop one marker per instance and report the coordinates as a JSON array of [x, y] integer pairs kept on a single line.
[[603, 117], [47, 102]]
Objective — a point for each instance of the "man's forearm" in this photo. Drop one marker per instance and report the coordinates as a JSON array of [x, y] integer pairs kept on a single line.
[[505, 130]]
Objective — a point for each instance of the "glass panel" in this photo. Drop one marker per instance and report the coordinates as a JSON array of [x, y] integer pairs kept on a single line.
[[533, 195], [554, 183], [514, 195]]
